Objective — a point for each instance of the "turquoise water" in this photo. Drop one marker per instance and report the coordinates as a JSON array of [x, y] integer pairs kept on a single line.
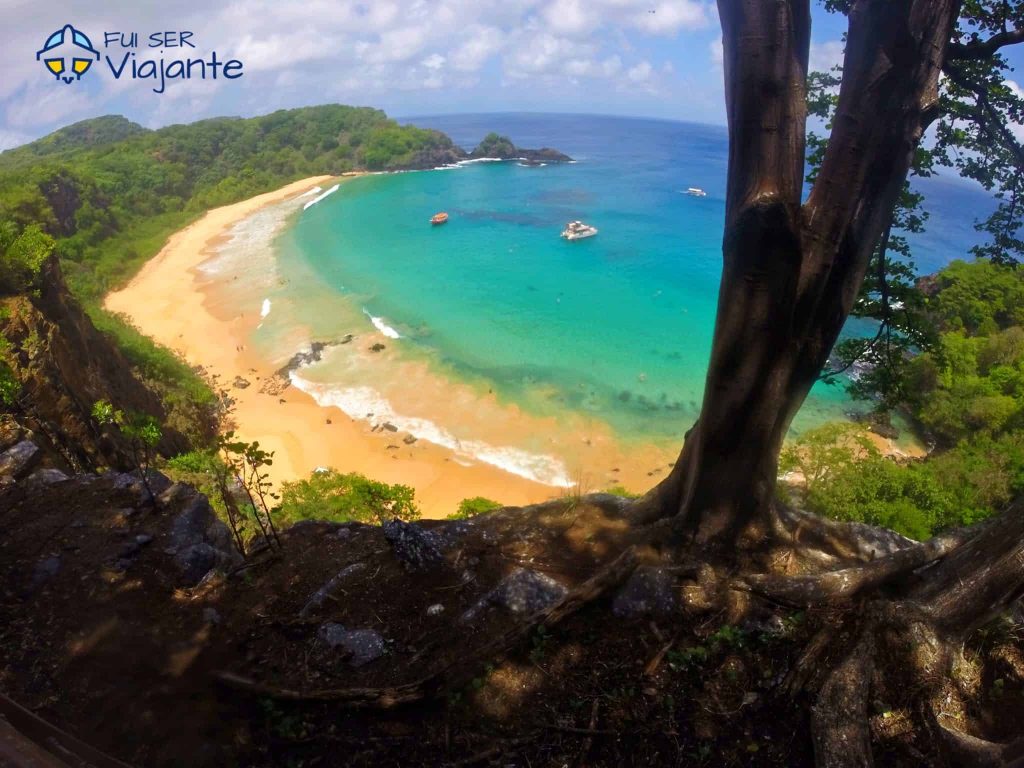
[[616, 328]]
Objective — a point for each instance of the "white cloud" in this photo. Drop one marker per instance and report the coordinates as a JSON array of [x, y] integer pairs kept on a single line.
[[825, 56], [717, 52], [310, 51], [668, 18], [434, 61], [9, 139], [640, 73], [482, 44]]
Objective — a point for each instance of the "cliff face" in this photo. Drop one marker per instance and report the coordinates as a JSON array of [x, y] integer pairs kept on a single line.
[[65, 365]]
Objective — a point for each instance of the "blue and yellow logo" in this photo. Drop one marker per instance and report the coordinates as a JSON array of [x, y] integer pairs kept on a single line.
[[68, 54]]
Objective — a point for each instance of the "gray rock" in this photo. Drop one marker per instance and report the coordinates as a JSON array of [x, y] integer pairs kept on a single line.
[[158, 482], [211, 615], [523, 592], [46, 476], [435, 610], [362, 645], [526, 591], [45, 570], [343, 533], [321, 595], [143, 538], [198, 523], [200, 542], [197, 560], [416, 548], [449, 534], [176, 493], [18, 460], [649, 591]]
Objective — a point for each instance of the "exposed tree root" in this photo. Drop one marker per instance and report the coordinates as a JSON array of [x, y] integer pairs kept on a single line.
[[458, 672], [845, 583], [972, 752], [839, 719]]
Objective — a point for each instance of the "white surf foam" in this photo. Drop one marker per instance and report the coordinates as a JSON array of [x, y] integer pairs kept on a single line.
[[480, 160], [320, 197], [357, 402], [265, 309], [380, 325], [308, 192]]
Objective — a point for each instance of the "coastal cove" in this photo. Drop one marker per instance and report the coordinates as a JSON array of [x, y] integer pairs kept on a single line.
[[443, 354]]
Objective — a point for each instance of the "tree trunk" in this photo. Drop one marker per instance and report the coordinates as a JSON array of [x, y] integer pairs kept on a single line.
[[791, 272]]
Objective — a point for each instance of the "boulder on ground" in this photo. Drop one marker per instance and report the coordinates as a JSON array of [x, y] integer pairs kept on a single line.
[[18, 460], [523, 592], [46, 476], [416, 548], [650, 591], [362, 645]]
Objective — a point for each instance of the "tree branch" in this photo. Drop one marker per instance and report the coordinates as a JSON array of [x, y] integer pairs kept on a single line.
[[986, 116], [983, 49]]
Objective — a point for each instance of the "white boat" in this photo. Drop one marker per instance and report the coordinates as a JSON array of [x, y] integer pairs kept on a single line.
[[577, 230], [695, 192]]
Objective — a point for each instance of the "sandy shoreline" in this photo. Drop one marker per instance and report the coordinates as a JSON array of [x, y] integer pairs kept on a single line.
[[166, 303]]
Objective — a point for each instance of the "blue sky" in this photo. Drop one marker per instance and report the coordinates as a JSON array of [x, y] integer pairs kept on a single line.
[[659, 58]]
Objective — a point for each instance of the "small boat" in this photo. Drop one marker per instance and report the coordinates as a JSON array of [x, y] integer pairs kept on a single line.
[[439, 218], [577, 230], [695, 192]]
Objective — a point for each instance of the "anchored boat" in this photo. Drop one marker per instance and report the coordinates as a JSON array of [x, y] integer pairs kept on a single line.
[[577, 230], [439, 218]]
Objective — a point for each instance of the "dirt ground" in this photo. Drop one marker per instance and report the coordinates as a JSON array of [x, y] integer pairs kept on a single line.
[[99, 637]]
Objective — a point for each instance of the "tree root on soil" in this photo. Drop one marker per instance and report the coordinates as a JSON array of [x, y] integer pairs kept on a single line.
[[460, 671], [907, 616]]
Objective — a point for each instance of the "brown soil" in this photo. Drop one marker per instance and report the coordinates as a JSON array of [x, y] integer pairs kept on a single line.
[[127, 661]]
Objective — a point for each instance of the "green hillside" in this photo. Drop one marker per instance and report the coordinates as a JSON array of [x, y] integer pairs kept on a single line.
[[110, 191]]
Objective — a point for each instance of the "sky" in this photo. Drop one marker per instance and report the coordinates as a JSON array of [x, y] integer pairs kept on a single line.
[[654, 58]]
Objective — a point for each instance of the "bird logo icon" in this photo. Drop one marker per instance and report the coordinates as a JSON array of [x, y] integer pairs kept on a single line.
[[68, 54]]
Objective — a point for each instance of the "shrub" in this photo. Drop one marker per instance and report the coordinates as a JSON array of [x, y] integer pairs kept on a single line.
[[332, 495], [620, 490], [474, 507]]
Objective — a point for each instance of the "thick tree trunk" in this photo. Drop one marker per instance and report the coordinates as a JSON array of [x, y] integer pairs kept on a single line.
[[791, 272]]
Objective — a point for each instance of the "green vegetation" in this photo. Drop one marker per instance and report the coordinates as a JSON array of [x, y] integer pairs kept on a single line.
[[248, 464], [23, 254], [474, 507], [966, 391], [105, 194], [332, 495], [972, 381], [140, 430], [621, 490], [110, 192], [495, 145]]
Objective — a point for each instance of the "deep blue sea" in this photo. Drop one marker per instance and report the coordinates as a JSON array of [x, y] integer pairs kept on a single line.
[[616, 328]]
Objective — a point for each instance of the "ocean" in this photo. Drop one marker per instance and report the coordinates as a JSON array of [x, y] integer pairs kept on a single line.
[[500, 339]]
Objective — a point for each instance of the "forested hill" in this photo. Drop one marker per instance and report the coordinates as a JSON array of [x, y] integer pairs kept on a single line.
[[110, 191]]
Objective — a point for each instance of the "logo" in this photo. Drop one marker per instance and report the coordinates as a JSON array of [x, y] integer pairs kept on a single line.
[[68, 54]]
